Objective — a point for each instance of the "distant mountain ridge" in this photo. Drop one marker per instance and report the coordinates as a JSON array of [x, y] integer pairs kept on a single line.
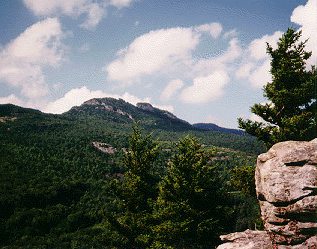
[[214, 127], [110, 121], [120, 111]]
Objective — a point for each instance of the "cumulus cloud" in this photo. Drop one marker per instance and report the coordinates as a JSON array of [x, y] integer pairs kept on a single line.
[[201, 67], [77, 96], [214, 29], [23, 59], [121, 3], [231, 33], [95, 14], [172, 87], [306, 17], [257, 73], [256, 65], [95, 11], [12, 99], [48, 7], [205, 89], [257, 48], [261, 75], [169, 51], [150, 52]]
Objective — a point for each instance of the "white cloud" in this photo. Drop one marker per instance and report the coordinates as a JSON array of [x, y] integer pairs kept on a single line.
[[168, 108], [202, 67], [22, 60], [206, 88], [150, 52], [257, 48], [172, 87], [74, 8], [214, 29], [132, 99], [256, 63], [257, 73], [121, 3], [74, 97], [48, 7], [95, 14], [169, 51], [306, 17], [231, 33], [261, 76], [245, 70], [11, 99]]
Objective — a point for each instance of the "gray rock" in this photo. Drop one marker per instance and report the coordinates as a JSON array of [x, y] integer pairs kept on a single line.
[[246, 240], [286, 185]]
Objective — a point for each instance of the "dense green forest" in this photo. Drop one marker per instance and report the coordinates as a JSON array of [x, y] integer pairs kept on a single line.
[[59, 190]]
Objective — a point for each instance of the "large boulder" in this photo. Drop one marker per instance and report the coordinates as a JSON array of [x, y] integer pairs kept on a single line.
[[286, 186], [246, 240]]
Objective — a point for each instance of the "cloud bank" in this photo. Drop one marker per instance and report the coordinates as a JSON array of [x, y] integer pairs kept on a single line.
[[169, 52], [22, 61], [94, 10]]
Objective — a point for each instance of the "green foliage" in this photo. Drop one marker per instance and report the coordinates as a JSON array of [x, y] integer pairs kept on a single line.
[[136, 192], [243, 179], [56, 188], [291, 112], [189, 203]]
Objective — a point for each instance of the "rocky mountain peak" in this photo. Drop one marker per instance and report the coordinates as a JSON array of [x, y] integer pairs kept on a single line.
[[145, 107]]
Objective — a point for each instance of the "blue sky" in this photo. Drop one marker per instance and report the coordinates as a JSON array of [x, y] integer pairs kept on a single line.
[[203, 60]]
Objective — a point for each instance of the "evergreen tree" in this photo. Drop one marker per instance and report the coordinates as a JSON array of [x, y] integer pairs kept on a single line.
[[291, 112], [136, 193], [189, 205]]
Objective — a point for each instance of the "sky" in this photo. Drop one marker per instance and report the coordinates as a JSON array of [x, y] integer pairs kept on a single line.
[[203, 60]]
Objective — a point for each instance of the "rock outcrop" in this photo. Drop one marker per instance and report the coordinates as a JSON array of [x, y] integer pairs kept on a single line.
[[286, 185], [247, 240]]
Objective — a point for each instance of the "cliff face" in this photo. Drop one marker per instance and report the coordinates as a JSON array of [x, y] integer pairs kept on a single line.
[[286, 186]]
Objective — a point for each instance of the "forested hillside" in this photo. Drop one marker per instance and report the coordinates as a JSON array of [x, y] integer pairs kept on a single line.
[[56, 180]]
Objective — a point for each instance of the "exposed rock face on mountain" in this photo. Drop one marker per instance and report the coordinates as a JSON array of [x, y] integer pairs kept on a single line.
[[120, 111], [286, 185], [149, 108], [145, 107]]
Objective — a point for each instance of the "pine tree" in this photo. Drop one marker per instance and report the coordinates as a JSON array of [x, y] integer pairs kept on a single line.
[[136, 193], [291, 111], [189, 202]]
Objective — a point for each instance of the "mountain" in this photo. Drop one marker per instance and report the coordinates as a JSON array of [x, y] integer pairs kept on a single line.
[[120, 111], [57, 170], [214, 127], [109, 120], [9, 110]]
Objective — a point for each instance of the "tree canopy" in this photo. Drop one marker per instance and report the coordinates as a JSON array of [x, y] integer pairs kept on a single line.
[[290, 113]]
